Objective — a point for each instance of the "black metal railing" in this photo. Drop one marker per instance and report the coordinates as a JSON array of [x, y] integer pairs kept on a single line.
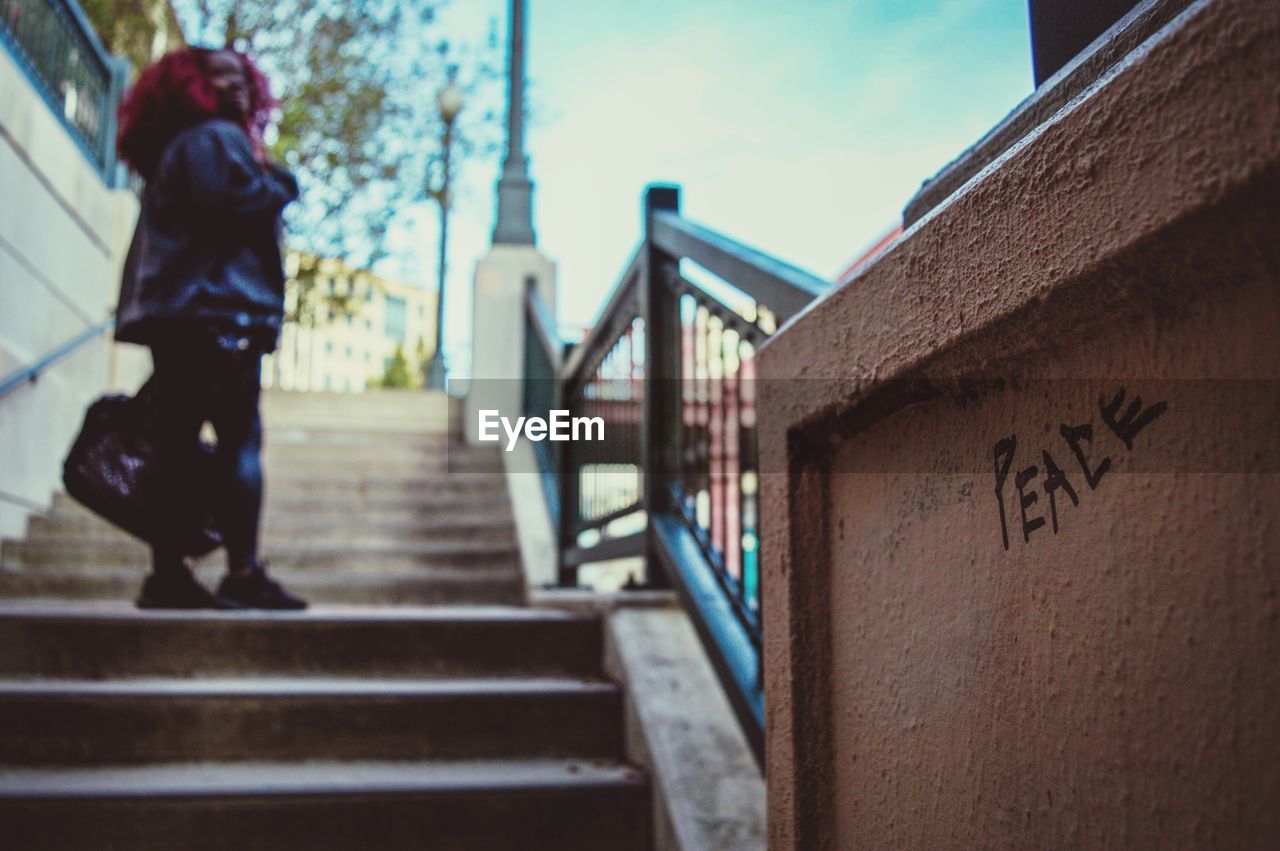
[[543, 353], [669, 368], [56, 46], [716, 491], [601, 487]]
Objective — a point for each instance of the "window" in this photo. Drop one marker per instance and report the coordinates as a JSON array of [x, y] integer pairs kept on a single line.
[[397, 312], [328, 347]]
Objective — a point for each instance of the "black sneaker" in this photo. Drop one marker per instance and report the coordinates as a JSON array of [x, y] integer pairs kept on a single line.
[[255, 590], [178, 589]]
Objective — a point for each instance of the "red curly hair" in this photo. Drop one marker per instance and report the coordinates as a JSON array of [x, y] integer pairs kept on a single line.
[[174, 93]]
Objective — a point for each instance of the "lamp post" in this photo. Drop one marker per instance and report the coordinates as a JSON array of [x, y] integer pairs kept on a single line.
[[449, 100]]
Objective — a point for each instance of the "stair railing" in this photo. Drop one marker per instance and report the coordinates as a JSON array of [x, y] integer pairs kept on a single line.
[[31, 373], [669, 367], [543, 355]]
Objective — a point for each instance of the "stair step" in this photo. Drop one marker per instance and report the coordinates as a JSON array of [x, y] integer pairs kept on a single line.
[[371, 423], [375, 504], [407, 482], [309, 457], [99, 641], [468, 806], [411, 405], [280, 530], [373, 446], [279, 719], [408, 519], [290, 434], [355, 506], [380, 423], [425, 469], [433, 489], [416, 587], [312, 457], [299, 553]]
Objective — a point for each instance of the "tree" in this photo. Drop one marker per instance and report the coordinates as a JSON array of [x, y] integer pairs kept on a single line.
[[398, 373], [358, 122], [139, 30]]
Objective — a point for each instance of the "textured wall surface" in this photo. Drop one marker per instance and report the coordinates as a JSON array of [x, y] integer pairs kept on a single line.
[[1113, 683], [63, 235], [1110, 682]]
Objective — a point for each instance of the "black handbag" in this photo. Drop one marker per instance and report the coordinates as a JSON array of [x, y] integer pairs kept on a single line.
[[111, 471]]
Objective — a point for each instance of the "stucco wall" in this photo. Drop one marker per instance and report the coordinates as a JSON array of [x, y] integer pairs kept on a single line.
[[62, 238], [1104, 684], [1110, 682]]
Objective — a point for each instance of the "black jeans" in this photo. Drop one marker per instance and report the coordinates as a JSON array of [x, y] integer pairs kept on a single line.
[[198, 381]]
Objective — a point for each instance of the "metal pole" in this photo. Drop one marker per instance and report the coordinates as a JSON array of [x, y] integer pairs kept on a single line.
[[514, 225], [662, 374], [436, 373]]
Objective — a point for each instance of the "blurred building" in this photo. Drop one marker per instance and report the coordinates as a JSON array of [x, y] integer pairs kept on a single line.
[[347, 329]]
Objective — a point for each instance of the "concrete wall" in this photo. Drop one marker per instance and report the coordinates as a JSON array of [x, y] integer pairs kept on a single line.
[[1107, 677], [708, 792], [63, 235]]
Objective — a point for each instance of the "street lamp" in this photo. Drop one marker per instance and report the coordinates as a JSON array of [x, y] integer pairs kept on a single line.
[[449, 100]]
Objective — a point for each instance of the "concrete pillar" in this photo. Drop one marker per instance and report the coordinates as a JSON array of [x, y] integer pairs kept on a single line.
[[497, 339]]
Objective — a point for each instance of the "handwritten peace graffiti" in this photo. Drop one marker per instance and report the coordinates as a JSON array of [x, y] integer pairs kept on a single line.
[[1125, 426]]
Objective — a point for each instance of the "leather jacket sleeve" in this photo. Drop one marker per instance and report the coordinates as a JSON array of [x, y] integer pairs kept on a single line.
[[206, 251], [216, 166]]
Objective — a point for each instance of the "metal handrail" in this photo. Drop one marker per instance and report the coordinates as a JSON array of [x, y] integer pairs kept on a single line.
[[543, 326], [668, 365], [734, 649], [30, 374], [605, 323], [543, 355], [783, 288]]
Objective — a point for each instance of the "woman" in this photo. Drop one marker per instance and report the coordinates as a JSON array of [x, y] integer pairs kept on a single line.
[[203, 287]]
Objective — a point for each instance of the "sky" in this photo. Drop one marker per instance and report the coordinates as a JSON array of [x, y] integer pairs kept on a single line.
[[800, 128]]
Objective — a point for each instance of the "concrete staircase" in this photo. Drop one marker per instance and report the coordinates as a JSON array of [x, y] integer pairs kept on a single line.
[[367, 501], [469, 723]]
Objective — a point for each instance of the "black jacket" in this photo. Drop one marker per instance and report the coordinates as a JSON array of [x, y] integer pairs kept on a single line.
[[206, 253]]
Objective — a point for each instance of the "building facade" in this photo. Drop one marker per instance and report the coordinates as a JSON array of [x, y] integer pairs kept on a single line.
[[348, 329]]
